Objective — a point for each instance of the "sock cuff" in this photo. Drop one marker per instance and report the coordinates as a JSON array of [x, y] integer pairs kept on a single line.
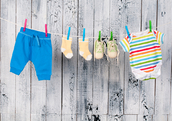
[[65, 38], [81, 40]]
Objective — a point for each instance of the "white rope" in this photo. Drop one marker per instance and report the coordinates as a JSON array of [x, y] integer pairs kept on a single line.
[[78, 36]]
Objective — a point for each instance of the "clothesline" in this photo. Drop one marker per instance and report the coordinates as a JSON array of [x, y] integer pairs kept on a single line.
[[77, 36]]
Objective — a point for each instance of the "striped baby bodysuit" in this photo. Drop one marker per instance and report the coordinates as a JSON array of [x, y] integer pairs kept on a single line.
[[144, 53]]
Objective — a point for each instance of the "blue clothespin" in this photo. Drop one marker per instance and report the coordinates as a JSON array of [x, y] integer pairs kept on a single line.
[[83, 34], [68, 34], [128, 33]]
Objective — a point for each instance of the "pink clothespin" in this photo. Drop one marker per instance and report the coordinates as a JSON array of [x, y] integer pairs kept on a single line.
[[46, 30], [25, 24]]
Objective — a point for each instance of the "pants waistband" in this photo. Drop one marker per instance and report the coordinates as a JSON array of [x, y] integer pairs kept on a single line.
[[33, 33]]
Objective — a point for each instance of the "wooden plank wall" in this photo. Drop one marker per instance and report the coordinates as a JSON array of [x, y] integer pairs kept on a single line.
[[82, 90]]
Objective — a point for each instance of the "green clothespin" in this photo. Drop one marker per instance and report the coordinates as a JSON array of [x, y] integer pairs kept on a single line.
[[111, 36], [99, 35], [150, 26]]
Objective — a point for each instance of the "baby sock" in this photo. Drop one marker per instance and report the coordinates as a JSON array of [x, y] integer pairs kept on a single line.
[[83, 49], [66, 47]]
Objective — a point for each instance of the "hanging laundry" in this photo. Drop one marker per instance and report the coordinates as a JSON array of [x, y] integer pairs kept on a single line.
[[84, 49], [66, 47], [34, 46], [112, 48], [99, 49], [145, 53]]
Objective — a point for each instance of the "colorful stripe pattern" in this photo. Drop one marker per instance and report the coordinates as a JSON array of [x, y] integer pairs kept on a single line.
[[145, 51], [125, 44]]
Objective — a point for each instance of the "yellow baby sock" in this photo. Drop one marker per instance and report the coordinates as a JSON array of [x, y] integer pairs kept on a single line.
[[66, 47], [84, 50]]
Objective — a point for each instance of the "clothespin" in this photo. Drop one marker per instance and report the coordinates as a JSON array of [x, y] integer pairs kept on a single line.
[[99, 36], [127, 31], [25, 24], [83, 34], [150, 26], [68, 34], [46, 30], [111, 35]]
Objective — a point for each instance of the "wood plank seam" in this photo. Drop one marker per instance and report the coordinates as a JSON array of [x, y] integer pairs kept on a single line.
[[62, 67], [157, 15], [46, 111], [77, 59], [141, 17], [154, 95], [15, 40], [0, 63], [31, 72]]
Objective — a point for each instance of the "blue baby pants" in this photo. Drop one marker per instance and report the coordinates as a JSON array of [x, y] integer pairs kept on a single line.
[[34, 46]]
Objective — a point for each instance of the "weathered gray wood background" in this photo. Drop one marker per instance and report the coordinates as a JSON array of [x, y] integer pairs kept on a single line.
[[82, 90]]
